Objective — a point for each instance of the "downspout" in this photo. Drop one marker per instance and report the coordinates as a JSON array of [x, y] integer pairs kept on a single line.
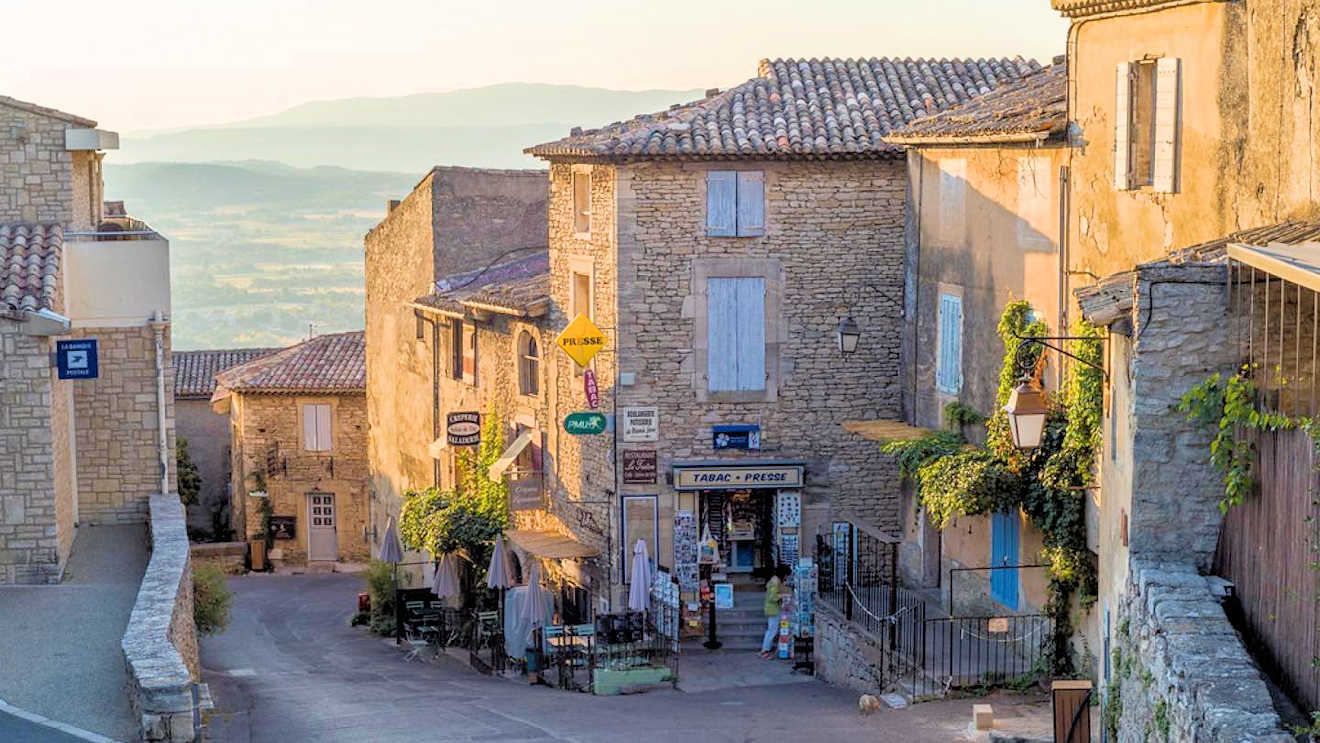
[[158, 325]]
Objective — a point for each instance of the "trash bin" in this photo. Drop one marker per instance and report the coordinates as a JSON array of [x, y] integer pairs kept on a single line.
[[258, 547]]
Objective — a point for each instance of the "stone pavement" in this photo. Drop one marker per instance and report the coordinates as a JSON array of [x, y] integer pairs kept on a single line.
[[289, 668], [65, 638]]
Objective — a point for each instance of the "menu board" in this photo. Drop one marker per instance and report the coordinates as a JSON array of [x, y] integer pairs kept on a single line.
[[685, 550]]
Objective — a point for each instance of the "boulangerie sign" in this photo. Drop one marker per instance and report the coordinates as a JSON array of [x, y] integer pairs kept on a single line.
[[640, 424]]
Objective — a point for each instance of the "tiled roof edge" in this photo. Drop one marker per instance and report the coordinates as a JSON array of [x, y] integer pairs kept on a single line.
[[40, 110]]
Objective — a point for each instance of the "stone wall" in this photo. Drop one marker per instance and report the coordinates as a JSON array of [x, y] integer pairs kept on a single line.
[[160, 642], [36, 172], [1180, 672], [118, 449], [844, 655], [208, 446], [229, 557], [29, 539]]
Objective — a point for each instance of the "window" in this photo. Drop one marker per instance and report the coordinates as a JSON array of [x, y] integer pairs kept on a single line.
[[456, 349], [529, 365], [316, 426], [1146, 116], [735, 328], [582, 202], [470, 354], [948, 369], [735, 203], [581, 299], [529, 461]]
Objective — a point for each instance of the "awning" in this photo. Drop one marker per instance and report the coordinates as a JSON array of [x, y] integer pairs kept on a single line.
[[497, 469], [1299, 264], [549, 544]]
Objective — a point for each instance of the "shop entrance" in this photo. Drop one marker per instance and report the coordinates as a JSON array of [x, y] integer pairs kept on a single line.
[[742, 523]]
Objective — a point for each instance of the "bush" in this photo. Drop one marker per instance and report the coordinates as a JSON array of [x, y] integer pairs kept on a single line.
[[211, 598], [380, 586]]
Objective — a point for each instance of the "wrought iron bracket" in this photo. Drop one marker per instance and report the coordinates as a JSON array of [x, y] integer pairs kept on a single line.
[[1045, 341]]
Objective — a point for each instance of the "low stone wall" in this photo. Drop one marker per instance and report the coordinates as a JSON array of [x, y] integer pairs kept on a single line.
[[160, 644], [1180, 672], [230, 557], [844, 655]]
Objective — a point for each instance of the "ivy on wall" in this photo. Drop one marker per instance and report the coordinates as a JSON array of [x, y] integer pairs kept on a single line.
[[955, 479]]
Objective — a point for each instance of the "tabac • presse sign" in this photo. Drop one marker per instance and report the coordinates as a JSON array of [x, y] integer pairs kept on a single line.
[[581, 340]]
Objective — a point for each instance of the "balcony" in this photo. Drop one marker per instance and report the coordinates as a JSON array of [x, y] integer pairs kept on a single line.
[[116, 276]]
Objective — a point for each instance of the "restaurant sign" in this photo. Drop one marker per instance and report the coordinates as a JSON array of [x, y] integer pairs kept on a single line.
[[584, 423], [639, 466], [525, 493], [464, 429], [738, 478]]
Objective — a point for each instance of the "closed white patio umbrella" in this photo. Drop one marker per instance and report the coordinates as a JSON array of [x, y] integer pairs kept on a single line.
[[500, 573], [639, 591], [445, 584], [390, 549], [536, 604]]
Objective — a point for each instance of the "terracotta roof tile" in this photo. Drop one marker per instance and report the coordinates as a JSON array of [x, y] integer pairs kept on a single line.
[[1033, 106], [326, 364], [519, 287], [30, 265], [798, 108], [194, 371], [1081, 8]]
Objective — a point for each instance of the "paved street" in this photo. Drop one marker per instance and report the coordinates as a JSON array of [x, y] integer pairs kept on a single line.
[[289, 668], [17, 730], [65, 638]]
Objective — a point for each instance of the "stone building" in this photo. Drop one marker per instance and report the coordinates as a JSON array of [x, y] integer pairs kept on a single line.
[[78, 447], [298, 421], [206, 431], [986, 178], [455, 220], [718, 245]]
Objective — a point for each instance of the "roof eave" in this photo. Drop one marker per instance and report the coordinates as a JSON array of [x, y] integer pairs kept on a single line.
[[935, 140], [889, 153]]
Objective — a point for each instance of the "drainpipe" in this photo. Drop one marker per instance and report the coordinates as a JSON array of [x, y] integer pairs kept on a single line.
[[158, 325]]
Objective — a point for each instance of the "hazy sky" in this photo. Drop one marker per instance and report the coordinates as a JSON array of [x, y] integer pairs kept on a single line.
[[148, 64]]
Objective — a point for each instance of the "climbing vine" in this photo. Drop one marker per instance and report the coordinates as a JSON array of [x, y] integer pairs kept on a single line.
[[955, 478]]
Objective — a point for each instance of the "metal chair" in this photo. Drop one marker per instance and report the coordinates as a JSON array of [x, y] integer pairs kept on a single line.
[[418, 640]]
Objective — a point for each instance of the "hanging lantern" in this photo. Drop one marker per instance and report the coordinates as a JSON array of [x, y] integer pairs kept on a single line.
[[1026, 411], [848, 334]]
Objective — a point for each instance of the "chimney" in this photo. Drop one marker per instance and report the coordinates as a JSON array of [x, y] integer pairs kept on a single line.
[[390, 206], [763, 68]]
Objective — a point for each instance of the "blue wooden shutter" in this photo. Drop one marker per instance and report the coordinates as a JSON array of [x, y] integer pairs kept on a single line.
[[751, 333], [722, 334], [721, 203], [751, 203], [948, 376], [1004, 553]]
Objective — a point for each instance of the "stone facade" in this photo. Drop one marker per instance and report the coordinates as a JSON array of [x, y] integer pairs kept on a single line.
[[36, 171], [207, 433], [229, 557], [267, 432], [844, 654]]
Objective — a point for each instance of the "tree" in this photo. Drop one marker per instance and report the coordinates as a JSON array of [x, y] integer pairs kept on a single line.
[[189, 479]]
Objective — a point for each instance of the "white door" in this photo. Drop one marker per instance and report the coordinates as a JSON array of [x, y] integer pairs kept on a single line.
[[322, 539]]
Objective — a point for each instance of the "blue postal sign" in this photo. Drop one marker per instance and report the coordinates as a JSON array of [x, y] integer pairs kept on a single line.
[[737, 437], [77, 359]]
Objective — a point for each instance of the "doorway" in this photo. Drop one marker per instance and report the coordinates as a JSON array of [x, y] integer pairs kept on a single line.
[[742, 522], [322, 535]]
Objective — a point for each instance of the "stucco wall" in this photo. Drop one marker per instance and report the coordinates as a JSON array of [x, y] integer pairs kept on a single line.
[[207, 433]]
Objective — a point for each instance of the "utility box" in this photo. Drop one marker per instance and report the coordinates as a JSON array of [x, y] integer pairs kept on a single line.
[[1072, 711]]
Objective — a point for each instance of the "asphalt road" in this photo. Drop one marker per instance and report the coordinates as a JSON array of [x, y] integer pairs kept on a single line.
[[18, 730], [290, 669]]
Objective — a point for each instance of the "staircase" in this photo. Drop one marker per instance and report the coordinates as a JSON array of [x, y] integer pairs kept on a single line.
[[743, 626]]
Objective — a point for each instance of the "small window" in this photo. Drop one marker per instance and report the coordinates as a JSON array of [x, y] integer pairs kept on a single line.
[[421, 326], [581, 299], [470, 354], [316, 427], [582, 202], [1146, 114], [948, 368], [456, 349], [735, 203], [735, 326], [529, 364]]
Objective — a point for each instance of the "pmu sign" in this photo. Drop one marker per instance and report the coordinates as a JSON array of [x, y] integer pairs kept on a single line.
[[77, 359]]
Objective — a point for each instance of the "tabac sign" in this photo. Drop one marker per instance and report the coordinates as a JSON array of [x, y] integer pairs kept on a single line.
[[716, 477], [581, 340]]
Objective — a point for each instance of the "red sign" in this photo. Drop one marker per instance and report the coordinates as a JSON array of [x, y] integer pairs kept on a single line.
[[593, 392]]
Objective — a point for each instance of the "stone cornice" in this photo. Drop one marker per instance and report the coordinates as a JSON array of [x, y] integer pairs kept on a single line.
[[1084, 8]]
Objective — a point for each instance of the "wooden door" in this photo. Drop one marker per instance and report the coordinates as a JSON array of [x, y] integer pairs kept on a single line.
[[322, 535]]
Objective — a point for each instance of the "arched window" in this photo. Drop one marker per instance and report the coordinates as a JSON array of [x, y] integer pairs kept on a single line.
[[529, 366]]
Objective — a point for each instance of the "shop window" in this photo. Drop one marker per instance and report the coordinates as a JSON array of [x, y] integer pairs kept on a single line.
[[948, 368], [316, 426], [529, 364], [735, 203], [735, 327], [582, 202], [1146, 115]]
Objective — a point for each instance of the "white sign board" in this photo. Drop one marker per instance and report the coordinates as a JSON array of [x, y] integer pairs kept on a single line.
[[640, 424]]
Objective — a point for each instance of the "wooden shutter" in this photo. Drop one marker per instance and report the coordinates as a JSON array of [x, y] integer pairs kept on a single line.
[[456, 349], [948, 375], [309, 427], [751, 203], [1167, 84], [751, 333], [721, 203], [322, 427], [1123, 126], [721, 334]]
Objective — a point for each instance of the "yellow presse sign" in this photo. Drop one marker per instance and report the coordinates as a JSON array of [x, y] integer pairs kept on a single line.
[[581, 340]]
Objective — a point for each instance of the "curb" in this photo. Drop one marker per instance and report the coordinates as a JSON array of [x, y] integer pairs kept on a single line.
[[65, 728]]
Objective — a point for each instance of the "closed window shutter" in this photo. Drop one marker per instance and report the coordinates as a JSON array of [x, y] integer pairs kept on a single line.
[[1122, 126], [721, 203], [751, 333], [323, 427], [948, 375], [751, 203], [309, 427], [1167, 83], [721, 334]]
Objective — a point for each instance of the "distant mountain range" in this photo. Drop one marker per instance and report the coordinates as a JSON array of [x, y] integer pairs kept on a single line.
[[478, 127]]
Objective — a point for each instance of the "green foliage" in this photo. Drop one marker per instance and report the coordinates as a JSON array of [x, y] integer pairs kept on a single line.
[[970, 482], [1016, 321], [1310, 731], [957, 415], [189, 479], [211, 598], [264, 511], [380, 588], [1161, 719], [913, 454], [1113, 711]]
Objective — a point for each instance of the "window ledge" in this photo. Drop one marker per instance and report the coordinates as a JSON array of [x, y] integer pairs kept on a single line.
[[738, 396]]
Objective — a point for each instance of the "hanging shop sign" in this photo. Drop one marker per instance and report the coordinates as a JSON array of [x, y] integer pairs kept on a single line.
[[284, 527], [746, 436], [639, 466], [77, 359], [593, 391], [640, 424], [737, 478], [581, 340], [463, 429], [582, 424], [525, 493]]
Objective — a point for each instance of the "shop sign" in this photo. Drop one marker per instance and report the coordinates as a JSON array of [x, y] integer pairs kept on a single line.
[[284, 527], [525, 493], [639, 466], [723, 595], [718, 478], [737, 437], [77, 359], [589, 386], [463, 429], [581, 340], [641, 424], [581, 424]]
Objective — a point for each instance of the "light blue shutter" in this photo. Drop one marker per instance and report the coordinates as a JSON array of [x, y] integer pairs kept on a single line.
[[751, 203], [948, 376], [751, 333], [721, 203], [722, 334]]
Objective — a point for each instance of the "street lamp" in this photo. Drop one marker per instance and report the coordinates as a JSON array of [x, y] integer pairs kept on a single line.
[[847, 334], [1026, 415]]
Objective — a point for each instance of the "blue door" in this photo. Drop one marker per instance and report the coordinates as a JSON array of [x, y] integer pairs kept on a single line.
[[1004, 551]]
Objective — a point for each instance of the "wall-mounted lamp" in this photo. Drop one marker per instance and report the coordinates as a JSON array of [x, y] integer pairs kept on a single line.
[[847, 334]]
